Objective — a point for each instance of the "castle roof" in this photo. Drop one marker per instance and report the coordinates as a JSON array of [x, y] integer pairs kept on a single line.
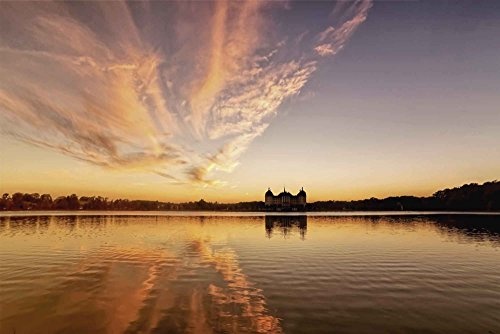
[[285, 193]]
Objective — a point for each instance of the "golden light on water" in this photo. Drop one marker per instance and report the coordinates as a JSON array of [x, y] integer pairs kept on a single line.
[[231, 273]]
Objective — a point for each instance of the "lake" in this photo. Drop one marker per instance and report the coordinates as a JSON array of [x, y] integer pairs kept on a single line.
[[249, 273]]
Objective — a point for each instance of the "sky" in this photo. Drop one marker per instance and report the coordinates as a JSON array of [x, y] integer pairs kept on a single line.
[[177, 101]]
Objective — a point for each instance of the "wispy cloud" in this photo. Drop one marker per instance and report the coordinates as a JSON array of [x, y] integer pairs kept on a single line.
[[325, 49], [141, 86]]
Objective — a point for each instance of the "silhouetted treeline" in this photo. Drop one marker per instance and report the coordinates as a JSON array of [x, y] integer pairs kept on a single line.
[[20, 201], [469, 197]]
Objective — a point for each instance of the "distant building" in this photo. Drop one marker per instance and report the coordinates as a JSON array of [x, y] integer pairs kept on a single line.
[[285, 201]]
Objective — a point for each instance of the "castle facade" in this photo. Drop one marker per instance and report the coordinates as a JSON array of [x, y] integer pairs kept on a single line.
[[285, 201]]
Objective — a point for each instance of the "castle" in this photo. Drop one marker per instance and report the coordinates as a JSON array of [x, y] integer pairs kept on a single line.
[[285, 201]]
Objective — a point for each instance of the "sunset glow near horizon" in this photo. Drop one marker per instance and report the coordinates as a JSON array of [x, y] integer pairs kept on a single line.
[[177, 101]]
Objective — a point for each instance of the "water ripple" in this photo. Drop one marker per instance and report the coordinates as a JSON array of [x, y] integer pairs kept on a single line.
[[227, 274]]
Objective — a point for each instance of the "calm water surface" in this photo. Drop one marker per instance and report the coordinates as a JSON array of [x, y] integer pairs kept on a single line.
[[250, 274]]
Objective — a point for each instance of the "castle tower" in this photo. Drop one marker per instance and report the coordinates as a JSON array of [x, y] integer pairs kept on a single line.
[[269, 196]]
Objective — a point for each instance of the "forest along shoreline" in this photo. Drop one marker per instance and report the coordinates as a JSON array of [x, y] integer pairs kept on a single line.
[[469, 197]]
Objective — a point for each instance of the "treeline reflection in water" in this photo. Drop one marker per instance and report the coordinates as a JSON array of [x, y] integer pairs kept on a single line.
[[475, 227], [239, 274]]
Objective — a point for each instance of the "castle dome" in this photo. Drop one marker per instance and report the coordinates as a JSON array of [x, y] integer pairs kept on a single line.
[[301, 192], [269, 192]]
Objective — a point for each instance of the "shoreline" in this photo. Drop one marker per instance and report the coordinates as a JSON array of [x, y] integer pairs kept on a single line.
[[30, 213]]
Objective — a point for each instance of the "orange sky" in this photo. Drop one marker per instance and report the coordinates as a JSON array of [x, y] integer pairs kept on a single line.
[[221, 100]]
